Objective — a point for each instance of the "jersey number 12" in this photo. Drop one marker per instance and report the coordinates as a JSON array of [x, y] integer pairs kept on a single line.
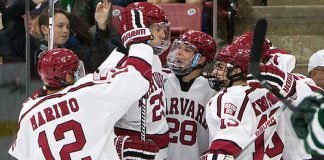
[[59, 131]]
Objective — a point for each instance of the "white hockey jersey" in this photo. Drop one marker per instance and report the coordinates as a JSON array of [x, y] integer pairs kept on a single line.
[[185, 112], [233, 117], [77, 122], [285, 62], [304, 87], [156, 124]]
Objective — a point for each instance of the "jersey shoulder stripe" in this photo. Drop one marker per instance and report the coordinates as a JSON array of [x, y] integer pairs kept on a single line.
[[219, 104], [43, 99], [244, 104]]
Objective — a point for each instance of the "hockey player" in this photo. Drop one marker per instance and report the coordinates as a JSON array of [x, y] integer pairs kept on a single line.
[[298, 126], [75, 119], [304, 87], [142, 21], [307, 123], [187, 93], [238, 112]]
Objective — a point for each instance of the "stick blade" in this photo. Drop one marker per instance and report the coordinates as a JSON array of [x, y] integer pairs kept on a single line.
[[260, 31]]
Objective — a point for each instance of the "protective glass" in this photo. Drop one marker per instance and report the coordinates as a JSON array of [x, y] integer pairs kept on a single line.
[[79, 72], [183, 57], [161, 37]]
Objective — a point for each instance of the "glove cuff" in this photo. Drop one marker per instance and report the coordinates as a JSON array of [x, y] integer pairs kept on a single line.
[[143, 33], [289, 88]]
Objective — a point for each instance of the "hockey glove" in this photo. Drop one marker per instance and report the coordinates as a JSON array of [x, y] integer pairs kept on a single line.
[[133, 148], [282, 82], [301, 120], [211, 155], [132, 27]]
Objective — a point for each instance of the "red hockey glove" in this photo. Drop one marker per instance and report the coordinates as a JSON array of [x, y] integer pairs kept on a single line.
[[133, 148], [282, 82], [211, 155], [132, 27]]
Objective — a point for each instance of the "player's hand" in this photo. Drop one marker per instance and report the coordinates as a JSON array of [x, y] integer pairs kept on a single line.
[[282, 82], [300, 120], [132, 28], [210, 155], [133, 148], [102, 13]]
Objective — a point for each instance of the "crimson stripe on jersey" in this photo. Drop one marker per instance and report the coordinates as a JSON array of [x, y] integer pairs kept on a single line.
[[121, 61], [293, 87], [227, 146], [246, 99], [80, 86], [54, 96], [297, 77], [273, 112], [161, 140], [219, 104], [141, 65], [315, 88]]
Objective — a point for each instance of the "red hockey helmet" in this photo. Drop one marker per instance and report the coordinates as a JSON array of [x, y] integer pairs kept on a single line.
[[186, 51], [204, 43], [150, 14], [238, 56], [54, 64], [219, 73], [145, 15], [246, 40]]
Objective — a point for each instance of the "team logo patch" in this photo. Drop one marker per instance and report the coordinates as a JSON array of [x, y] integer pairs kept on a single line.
[[100, 76], [230, 109]]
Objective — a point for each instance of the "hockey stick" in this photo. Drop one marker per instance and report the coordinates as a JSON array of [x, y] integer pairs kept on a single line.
[[50, 24], [143, 104]]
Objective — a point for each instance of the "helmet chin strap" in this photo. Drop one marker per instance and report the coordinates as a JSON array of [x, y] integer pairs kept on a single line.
[[64, 83], [235, 77], [195, 60]]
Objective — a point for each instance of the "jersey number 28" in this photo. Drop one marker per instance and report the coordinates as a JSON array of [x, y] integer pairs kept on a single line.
[[188, 131]]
